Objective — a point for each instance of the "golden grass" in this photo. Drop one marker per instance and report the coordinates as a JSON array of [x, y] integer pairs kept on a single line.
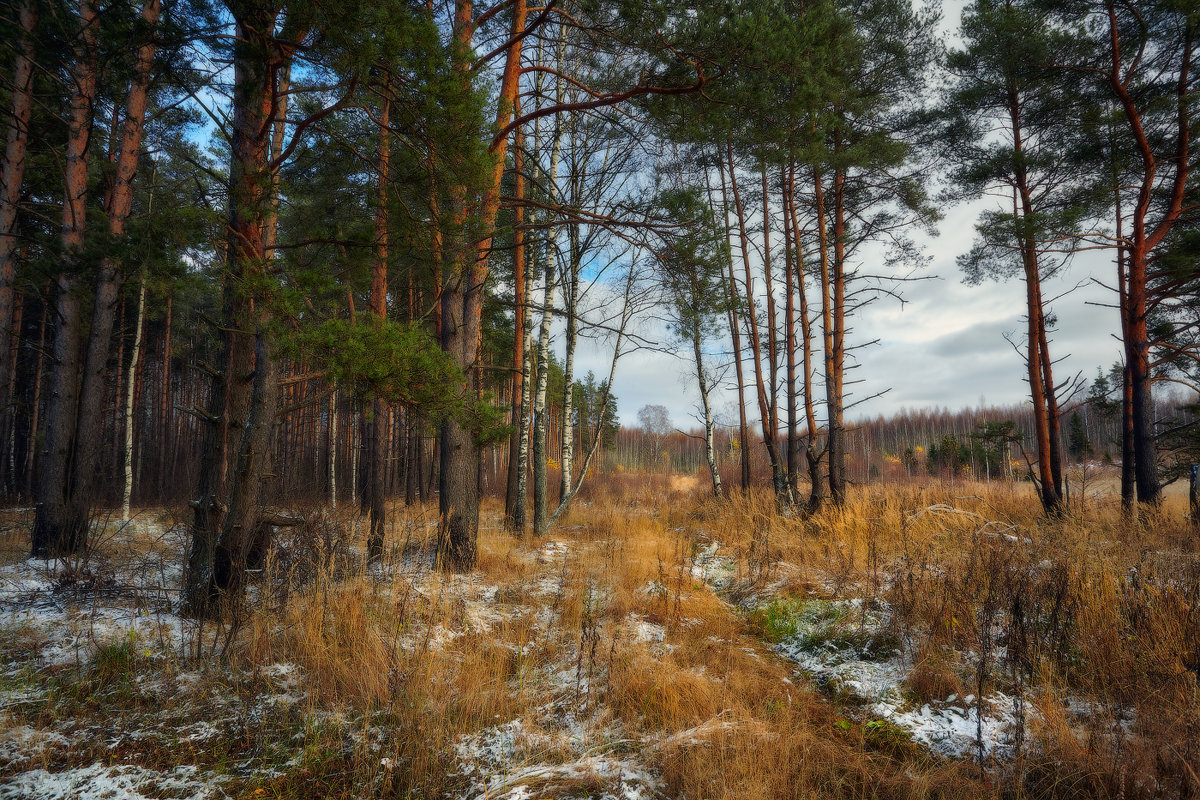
[[1090, 609]]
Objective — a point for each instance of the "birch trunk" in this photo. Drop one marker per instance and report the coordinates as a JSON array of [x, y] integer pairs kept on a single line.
[[710, 454], [332, 438], [571, 303], [130, 386]]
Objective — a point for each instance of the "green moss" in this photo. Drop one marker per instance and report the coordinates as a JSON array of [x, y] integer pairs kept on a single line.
[[785, 618], [818, 625]]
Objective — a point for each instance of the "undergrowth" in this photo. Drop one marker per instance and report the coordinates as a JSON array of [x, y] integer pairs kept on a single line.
[[352, 680]]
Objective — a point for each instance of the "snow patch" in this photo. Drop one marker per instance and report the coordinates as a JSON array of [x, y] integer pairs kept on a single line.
[[120, 782]]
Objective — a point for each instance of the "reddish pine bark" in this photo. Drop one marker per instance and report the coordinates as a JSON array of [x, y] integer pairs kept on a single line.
[[53, 532], [12, 175], [118, 205], [462, 306]]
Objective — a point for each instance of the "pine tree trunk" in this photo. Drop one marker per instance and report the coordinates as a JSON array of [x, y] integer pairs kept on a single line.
[[767, 419], [812, 453], [53, 531], [332, 438], [12, 175], [515, 494], [1128, 484], [772, 325], [789, 335], [736, 336], [93, 389], [836, 364], [373, 496], [32, 466], [7, 417], [243, 335], [466, 279], [242, 533], [166, 475], [1143, 239], [1137, 366]]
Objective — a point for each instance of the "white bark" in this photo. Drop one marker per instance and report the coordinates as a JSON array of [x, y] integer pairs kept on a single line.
[[526, 394], [702, 380], [333, 442], [131, 376], [570, 302]]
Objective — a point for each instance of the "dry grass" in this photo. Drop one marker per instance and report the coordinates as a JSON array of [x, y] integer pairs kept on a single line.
[[1095, 617], [605, 626]]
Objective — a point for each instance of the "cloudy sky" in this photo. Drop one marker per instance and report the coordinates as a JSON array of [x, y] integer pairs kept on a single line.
[[945, 346]]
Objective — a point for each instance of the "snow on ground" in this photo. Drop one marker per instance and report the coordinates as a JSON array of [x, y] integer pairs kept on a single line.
[[843, 645], [713, 569], [98, 782], [65, 622], [559, 755], [66, 609]]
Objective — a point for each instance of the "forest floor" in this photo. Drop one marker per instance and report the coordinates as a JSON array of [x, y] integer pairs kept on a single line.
[[927, 641]]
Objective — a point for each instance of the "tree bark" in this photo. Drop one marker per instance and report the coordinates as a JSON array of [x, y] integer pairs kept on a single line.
[[12, 175], [736, 337], [1037, 357], [570, 303], [540, 412], [241, 532], [518, 454], [118, 205], [373, 498], [130, 386], [1143, 240], [767, 419], [835, 362], [462, 308], [791, 255], [710, 455], [812, 453], [207, 590], [54, 533]]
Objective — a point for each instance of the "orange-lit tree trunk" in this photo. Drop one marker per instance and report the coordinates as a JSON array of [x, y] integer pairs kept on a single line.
[[118, 205], [1037, 357], [225, 511], [53, 532], [770, 427], [832, 319], [1144, 237], [736, 338], [465, 275]]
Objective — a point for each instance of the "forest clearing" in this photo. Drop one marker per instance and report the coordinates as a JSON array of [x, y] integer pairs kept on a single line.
[[926, 641]]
